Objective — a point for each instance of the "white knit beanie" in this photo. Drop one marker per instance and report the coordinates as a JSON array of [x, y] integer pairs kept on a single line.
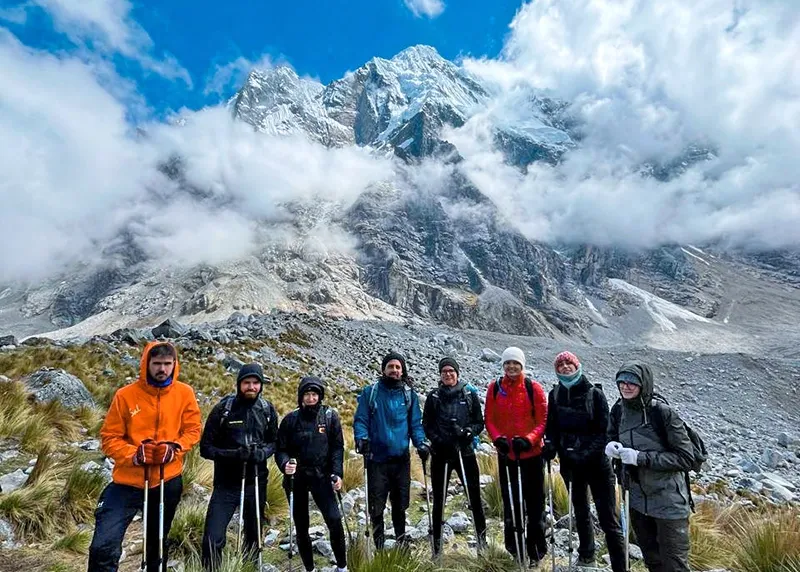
[[514, 354]]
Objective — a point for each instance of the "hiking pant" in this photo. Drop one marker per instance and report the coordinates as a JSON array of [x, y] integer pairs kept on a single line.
[[224, 502], [439, 482], [664, 542], [532, 470], [321, 490], [392, 479], [598, 477], [117, 506]]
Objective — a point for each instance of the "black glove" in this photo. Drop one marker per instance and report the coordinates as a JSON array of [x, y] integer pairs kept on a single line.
[[549, 451], [424, 452], [520, 444], [243, 453], [258, 454], [501, 444], [463, 434], [362, 447]]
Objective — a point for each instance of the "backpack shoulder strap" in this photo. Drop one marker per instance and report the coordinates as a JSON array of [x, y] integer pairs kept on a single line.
[[408, 399], [656, 413], [373, 390], [226, 410], [591, 397], [529, 389], [496, 386]]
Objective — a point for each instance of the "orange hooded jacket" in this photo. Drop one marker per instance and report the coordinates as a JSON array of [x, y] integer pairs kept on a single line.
[[140, 411]]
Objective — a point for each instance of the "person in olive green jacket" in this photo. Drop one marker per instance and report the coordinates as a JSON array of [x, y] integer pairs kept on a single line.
[[654, 467]]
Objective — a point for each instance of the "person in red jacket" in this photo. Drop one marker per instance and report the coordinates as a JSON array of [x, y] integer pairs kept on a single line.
[[516, 416]]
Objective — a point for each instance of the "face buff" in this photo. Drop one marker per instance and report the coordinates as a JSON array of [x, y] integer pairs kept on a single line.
[[570, 380]]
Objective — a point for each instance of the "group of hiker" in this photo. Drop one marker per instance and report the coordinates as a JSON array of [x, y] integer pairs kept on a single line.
[[641, 443]]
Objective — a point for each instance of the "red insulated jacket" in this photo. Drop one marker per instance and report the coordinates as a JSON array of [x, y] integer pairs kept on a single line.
[[511, 414]]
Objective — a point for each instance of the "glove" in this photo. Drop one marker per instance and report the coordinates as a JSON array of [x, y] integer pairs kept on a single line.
[[424, 451], [336, 481], [549, 451], [362, 447], [501, 445], [520, 444], [613, 448], [290, 467], [629, 456], [242, 453], [165, 452], [463, 434], [257, 454], [144, 453]]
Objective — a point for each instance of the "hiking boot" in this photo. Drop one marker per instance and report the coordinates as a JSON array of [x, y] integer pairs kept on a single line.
[[588, 561]]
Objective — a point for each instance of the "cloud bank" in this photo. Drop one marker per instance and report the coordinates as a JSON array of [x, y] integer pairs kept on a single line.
[[425, 8]]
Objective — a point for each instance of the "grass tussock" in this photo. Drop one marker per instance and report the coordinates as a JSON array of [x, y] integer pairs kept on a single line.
[[767, 542], [197, 470], [277, 503], [353, 472], [77, 542], [186, 534]]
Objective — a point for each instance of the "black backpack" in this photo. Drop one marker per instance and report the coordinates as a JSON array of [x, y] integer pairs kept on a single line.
[[260, 406], [590, 396]]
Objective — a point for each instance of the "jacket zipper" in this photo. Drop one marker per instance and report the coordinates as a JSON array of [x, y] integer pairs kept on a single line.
[[641, 488]]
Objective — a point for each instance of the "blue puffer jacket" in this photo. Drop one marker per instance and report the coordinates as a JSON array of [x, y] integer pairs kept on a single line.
[[395, 413]]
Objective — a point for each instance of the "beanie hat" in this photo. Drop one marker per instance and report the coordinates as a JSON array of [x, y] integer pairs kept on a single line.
[[445, 361], [629, 377], [567, 357], [250, 370], [310, 383], [514, 354], [394, 355]]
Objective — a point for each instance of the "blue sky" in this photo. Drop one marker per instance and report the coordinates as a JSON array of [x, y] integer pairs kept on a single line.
[[321, 39]]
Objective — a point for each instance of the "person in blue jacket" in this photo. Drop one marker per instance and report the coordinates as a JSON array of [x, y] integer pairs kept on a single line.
[[387, 416]]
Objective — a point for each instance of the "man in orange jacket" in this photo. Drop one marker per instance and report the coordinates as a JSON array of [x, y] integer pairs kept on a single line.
[[516, 416], [151, 424]]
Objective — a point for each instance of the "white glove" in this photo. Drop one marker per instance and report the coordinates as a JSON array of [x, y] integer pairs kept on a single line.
[[613, 449], [629, 456], [290, 467]]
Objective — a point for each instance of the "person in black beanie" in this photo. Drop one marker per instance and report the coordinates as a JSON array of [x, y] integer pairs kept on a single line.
[[387, 417], [239, 436], [452, 419], [311, 451]]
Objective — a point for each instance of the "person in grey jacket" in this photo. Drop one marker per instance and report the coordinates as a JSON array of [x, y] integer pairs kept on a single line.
[[659, 499]]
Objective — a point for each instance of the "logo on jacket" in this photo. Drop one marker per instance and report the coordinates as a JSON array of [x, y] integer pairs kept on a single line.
[[135, 411], [321, 428]]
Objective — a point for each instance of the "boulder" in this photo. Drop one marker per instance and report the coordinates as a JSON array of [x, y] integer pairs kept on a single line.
[[48, 384], [8, 341], [169, 329], [12, 481]]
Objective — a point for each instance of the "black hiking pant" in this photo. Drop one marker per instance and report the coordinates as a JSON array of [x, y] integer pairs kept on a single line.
[[392, 479], [664, 542], [598, 477], [439, 482], [320, 488], [117, 506], [224, 502], [533, 505]]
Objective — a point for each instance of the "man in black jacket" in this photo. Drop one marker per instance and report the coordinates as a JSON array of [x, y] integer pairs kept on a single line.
[[311, 453], [239, 436], [452, 419], [577, 420]]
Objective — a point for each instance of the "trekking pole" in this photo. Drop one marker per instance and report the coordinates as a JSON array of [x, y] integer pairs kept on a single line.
[[569, 510], [291, 516], [469, 500], [161, 520], [625, 513], [552, 514], [522, 512], [258, 518], [366, 507], [513, 514], [241, 506], [428, 503], [341, 509], [143, 567]]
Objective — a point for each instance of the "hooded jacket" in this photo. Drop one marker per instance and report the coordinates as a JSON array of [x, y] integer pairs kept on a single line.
[[445, 404], [657, 483], [390, 422], [247, 423], [312, 436], [511, 414], [579, 437], [140, 411]]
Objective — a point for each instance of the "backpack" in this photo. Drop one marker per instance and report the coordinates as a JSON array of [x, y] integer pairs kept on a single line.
[[469, 392], [699, 452], [590, 396], [228, 401], [324, 411], [406, 396], [528, 388]]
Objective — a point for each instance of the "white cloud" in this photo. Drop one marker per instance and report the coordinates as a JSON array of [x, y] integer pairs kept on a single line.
[[14, 14], [645, 81], [75, 175], [427, 8], [108, 26]]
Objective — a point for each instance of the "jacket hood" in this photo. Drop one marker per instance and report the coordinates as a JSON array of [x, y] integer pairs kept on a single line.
[[644, 373], [307, 383], [143, 363], [249, 370]]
